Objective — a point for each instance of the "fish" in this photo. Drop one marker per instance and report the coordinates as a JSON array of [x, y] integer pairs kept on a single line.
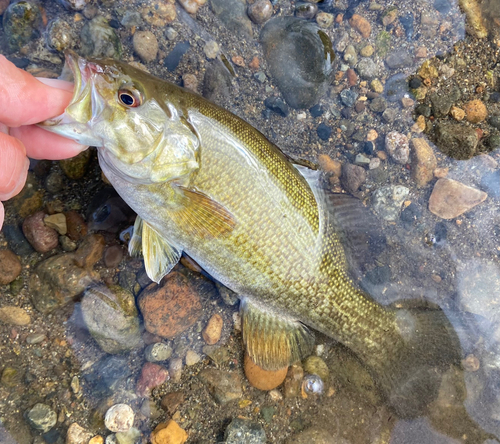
[[206, 183]]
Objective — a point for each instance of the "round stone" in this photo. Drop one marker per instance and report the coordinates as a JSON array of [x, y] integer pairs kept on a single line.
[[119, 418], [145, 45], [10, 267], [41, 417]]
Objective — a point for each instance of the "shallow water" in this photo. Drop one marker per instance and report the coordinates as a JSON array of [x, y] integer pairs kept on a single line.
[[453, 263]]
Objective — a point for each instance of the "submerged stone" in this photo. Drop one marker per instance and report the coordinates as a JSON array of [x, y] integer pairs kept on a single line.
[[233, 14], [244, 431], [99, 39], [300, 57], [21, 23]]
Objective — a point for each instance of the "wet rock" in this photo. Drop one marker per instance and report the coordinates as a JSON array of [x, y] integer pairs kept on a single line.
[[361, 25], [244, 431], [293, 381], [190, 81], [168, 433], [111, 317], [192, 6], [367, 69], [324, 131], [152, 375], [306, 10], [107, 374], [441, 104], [158, 352], [313, 435], [314, 365], [192, 358], [352, 177], [175, 369], [400, 58], [348, 97], [56, 281], [260, 11], [145, 45], [10, 267], [457, 141], [159, 12], [217, 81], [171, 402], [457, 113], [211, 49], [277, 105], [475, 111], [171, 308], [223, 386], [11, 377], [450, 199], [67, 244], [131, 436], [35, 338], [423, 162], [57, 222], [98, 39], [41, 417], [232, 13], [59, 35], [14, 315], [21, 23], [300, 57], [16, 240], [76, 5], [396, 87], [260, 378], [378, 105], [490, 182], [77, 435], [41, 237], [76, 226], [76, 167], [119, 418], [387, 201], [212, 332], [397, 146], [174, 57], [90, 251], [113, 255], [328, 165], [324, 20]]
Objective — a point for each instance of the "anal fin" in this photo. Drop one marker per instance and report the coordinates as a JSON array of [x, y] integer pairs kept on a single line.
[[273, 341], [135, 244]]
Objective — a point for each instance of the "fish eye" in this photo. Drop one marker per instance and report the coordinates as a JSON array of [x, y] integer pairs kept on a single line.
[[129, 97]]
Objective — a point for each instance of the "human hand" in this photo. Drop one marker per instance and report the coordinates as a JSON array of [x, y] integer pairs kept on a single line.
[[26, 101]]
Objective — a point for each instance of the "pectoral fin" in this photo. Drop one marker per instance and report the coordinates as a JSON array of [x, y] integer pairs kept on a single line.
[[273, 341], [202, 216], [159, 256]]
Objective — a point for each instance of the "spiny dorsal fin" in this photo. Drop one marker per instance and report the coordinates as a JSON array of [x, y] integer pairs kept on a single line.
[[273, 341], [135, 244], [202, 216], [159, 256]]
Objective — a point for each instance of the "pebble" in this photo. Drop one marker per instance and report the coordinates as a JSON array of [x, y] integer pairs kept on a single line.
[[229, 297], [190, 81], [348, 97], [175, 369], [456, 140], [277, 105], [171, 308], [213, 330], [316, 366], [159, 12], [450, 198], [106, 374], [293, 381], [312, 385], [113, 255], [171, 402], [152, 375], [192, 358], [211, 49], [374, 163], [376, 86], [457, 113], [77, 435], [234, 16], [98, 439], [367, 69], [97, 39], [423, 162], [90, 251], [324, 131], [59, 35], [397, 146], [244, 431], [260, 11], [224, 386], [494, 121], [67, 244], [11, 377], [300, 59], [145, 45], [35, 338], [57, 222], [475, 111], [21, 23], [14, 315], [168, 433], [10, 267], [361, 25], [217, 81], [387, 201], [192, 6], [328, 165], [352, 177], [362, 160], [306, 10], [313, 435], [76, 167], [56, 281], [119, 418], [41, 237], [130, 19], [171, 33], [131, 436], [157, 352], [111, 316], [41, 417], [400, 58], [76, 226], [260, 378], [324, 20]]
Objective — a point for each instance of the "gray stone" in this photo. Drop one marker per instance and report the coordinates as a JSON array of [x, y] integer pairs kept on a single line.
[[397, 146], [223, 386], [112, 318], [400, 58], [157, 352], [441, 104], [352, 177], [41, 417], [348, 97], [217, 81], [456, 140], [378, 105], [131, 19], [367, 69], [22, 22], [98, 39], [300, 59], [387, 201], [244, 431], [233, 14]]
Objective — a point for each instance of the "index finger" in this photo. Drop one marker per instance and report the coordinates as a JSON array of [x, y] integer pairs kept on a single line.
[[26, 100]]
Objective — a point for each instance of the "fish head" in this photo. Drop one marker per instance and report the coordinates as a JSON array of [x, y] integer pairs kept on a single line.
[[126, 113]]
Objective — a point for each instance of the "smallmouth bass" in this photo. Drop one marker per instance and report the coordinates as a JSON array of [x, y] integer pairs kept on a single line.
[[205, 182]]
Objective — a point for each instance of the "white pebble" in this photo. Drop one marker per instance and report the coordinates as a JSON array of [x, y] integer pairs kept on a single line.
[[119, 418]]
